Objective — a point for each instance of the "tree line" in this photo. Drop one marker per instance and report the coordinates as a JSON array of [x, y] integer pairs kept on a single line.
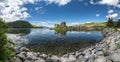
[[113, 24]]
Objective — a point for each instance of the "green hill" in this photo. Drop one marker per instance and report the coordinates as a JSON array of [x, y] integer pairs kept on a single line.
[[19, 24], [92, 24]]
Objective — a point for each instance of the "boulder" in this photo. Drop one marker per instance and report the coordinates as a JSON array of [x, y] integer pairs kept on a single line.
[[21, 55], [100, 53], [81, 59], [31, 56], [40, 60], [113, 47], [101, 59], [115, 57]]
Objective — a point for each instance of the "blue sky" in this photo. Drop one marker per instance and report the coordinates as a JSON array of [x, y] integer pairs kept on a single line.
[[49, 12], [73, 12]]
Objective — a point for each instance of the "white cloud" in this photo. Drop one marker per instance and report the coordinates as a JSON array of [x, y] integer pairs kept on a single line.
[[73, 23], [110, 11], [92, 2], [44, 23], [59, 2], [97, 15], [12, 10], [115, 3], [38, 8], [110, 2], [112, 15]]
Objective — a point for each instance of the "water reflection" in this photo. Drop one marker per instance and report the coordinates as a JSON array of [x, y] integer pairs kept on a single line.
[[58, 42], [20, 31], [62, 33]]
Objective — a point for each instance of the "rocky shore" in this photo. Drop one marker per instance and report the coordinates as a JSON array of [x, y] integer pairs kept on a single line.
[[104, 51]]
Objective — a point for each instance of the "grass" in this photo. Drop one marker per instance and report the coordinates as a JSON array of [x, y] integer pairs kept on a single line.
[[118, 44], [102, 24]]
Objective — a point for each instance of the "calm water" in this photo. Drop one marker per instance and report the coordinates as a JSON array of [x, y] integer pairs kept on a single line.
[[53, 42]]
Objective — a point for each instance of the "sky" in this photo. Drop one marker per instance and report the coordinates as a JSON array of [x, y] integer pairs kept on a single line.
[[50, 12]]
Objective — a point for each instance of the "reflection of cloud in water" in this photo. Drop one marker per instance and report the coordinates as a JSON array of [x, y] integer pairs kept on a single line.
[[18, 40], [46, 41], [20, 31], [82, 32], [77, 32], [40, 31]]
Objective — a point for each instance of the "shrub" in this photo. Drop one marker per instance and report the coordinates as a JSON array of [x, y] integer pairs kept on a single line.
[[118, 44]]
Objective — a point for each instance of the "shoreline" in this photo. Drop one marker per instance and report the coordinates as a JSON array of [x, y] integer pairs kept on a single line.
[[104, 51]]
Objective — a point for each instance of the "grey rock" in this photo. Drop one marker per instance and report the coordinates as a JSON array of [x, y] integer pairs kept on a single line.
[[100, 53], [49, 60], [101, 59], [18, 60], [113, 47], [24, 49], [98, 49], [91, 60], [31, 56], [115, 57], [28, 61], [22, 55], [40, 60], [81, 59]]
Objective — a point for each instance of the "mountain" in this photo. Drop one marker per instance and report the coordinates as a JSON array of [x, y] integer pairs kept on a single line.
[[19, 24]]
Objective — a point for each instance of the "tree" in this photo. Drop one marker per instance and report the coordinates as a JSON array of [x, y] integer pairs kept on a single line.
[[118, 23], [2, 24], [63, 24], [5, 49], [110, 23]]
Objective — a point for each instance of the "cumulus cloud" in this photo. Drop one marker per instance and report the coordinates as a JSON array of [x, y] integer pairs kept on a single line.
[[110, 2], [59, 2], [112, 15], [115, 3], [12, 10], [110, 11]]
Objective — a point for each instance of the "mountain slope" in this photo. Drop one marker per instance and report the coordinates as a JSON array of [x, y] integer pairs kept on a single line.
[[19, 24]]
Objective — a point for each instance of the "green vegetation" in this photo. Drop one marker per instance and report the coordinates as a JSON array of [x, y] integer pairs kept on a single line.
[[19, 24], [118, 44], [61, 26], [86, 26], [20, 31], [5, 49], [117, 24], [2, 24], [60, 31], [34, 26], [89, 26], [92, 24], [110, 23]]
